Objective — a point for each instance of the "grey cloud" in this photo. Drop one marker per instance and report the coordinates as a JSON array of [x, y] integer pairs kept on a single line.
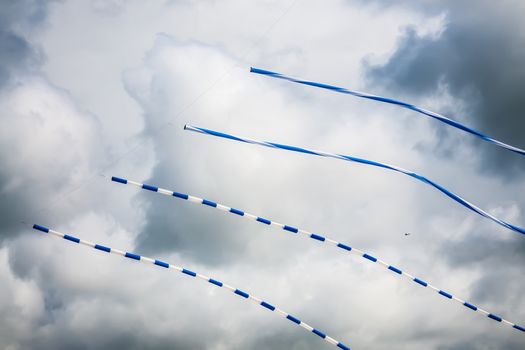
[[51, 144], [498, 261], [512, 249], [17, 56], [108, 7], [483, 343], [171, 225], [479, 56], [16, 53], [57, 146]]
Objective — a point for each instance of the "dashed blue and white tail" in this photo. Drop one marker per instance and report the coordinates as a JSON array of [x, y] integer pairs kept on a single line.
[[319, 238], [423, 179], [428, 113], [215, 282]]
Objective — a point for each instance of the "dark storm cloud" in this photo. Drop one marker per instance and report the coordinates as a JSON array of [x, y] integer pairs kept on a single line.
[[118, 337], [513, 250], [482, 343], [17, 56], [479, 56], [16, 53], [49, 138], [500, 261]]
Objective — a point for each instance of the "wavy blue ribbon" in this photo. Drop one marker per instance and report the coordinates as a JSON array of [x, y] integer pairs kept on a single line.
[[428, 113], [423, 179]]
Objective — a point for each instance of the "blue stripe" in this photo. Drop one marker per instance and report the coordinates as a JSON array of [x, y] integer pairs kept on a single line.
[[216, 133], [210, 203], [132, 256], [162, 264], [103, 248], [180, 195], [262, 71], [369, 257], [367, 162], [293, 319], [264, 221], [344, 246], [395, 269], [494, 317], [470, 306], [236, 211], [292, 148], [71, 238], [188, 272], [389, 100], [217, 283], [150, 188], [445, 294], [343, 346], [421, 282], [317, 237], [290, 228], [40, 228], [320, 85], [319, 333], [520, 328], [119, 179], [241, 293], [268, 306], [516, 228]]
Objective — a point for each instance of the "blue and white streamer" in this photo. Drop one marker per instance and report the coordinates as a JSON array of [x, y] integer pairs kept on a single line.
[[423, 179], [428, 113], [318, 238], [215, 282]]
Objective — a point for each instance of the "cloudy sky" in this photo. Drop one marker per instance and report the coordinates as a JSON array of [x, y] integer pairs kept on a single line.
[[91, 89]]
